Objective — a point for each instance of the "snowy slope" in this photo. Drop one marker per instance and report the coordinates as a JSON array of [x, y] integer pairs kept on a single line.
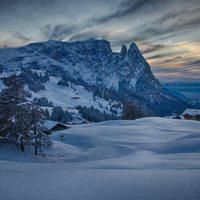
[[147, 159], [70, 97], [143, 143]]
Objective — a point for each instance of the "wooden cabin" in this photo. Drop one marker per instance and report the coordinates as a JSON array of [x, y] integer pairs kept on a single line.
[[192, 114], [51, 126]]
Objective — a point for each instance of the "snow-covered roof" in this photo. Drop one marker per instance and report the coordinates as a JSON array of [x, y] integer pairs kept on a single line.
[[192, 112], [50, 124]]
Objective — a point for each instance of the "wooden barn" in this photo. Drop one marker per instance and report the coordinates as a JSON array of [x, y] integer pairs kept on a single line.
[[51, 126], [192, 114]]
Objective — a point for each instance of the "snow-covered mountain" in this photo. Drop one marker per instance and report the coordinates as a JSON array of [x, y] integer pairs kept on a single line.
[[88, 73]]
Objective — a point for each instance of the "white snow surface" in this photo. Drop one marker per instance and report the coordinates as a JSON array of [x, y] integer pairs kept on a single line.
[[149, 159], [142, 143]]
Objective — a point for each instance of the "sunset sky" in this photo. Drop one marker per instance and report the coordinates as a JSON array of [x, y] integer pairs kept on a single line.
[[167, 31]]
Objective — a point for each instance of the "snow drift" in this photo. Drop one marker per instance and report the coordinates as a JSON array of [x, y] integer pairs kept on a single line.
[[147, 159], [143, 143]]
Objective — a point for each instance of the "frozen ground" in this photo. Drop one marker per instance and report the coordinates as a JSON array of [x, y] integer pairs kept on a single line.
[[149, 158]]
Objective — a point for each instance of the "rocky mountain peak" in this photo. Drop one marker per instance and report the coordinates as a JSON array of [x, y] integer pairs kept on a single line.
[[93, 64], [99, 45], [124, 50], [133, 48], [134, 51]]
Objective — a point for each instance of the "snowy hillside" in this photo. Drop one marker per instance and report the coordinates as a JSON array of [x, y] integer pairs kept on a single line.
[[92, 64], [70, 97], [150, 158], [155, 141]]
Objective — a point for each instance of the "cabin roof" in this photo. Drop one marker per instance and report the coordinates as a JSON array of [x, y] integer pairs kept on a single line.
[[51, 124], [192, 112]]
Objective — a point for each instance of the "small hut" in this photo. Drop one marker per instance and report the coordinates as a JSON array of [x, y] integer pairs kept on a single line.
[[51, 126], [192, 114]]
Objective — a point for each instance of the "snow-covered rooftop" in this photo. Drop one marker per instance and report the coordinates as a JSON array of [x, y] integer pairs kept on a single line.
[[192, 112], [50, 124]]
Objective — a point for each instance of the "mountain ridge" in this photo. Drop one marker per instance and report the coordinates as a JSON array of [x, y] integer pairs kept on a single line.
[[122, 76]]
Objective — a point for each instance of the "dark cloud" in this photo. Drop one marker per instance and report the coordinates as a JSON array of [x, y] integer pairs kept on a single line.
[[164, 70], [153, 48], [186, 70], [85, 35], [125, 8], [195, 62], [58, 32], [12, 4], [19, 36], [156, 56], [169, 73], [173, 59], [177, 22], [173, 15]]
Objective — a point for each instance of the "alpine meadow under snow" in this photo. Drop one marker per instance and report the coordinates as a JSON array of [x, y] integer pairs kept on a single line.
[[149, 158]]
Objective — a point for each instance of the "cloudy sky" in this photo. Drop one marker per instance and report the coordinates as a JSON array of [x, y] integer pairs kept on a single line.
[[167, 31]]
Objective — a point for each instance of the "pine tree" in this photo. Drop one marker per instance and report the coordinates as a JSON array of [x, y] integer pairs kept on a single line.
[[37, 117], [47, 114], [9, 98], [131, 111], [30, 126], [20, 121], [21, 128], [58, 115]]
